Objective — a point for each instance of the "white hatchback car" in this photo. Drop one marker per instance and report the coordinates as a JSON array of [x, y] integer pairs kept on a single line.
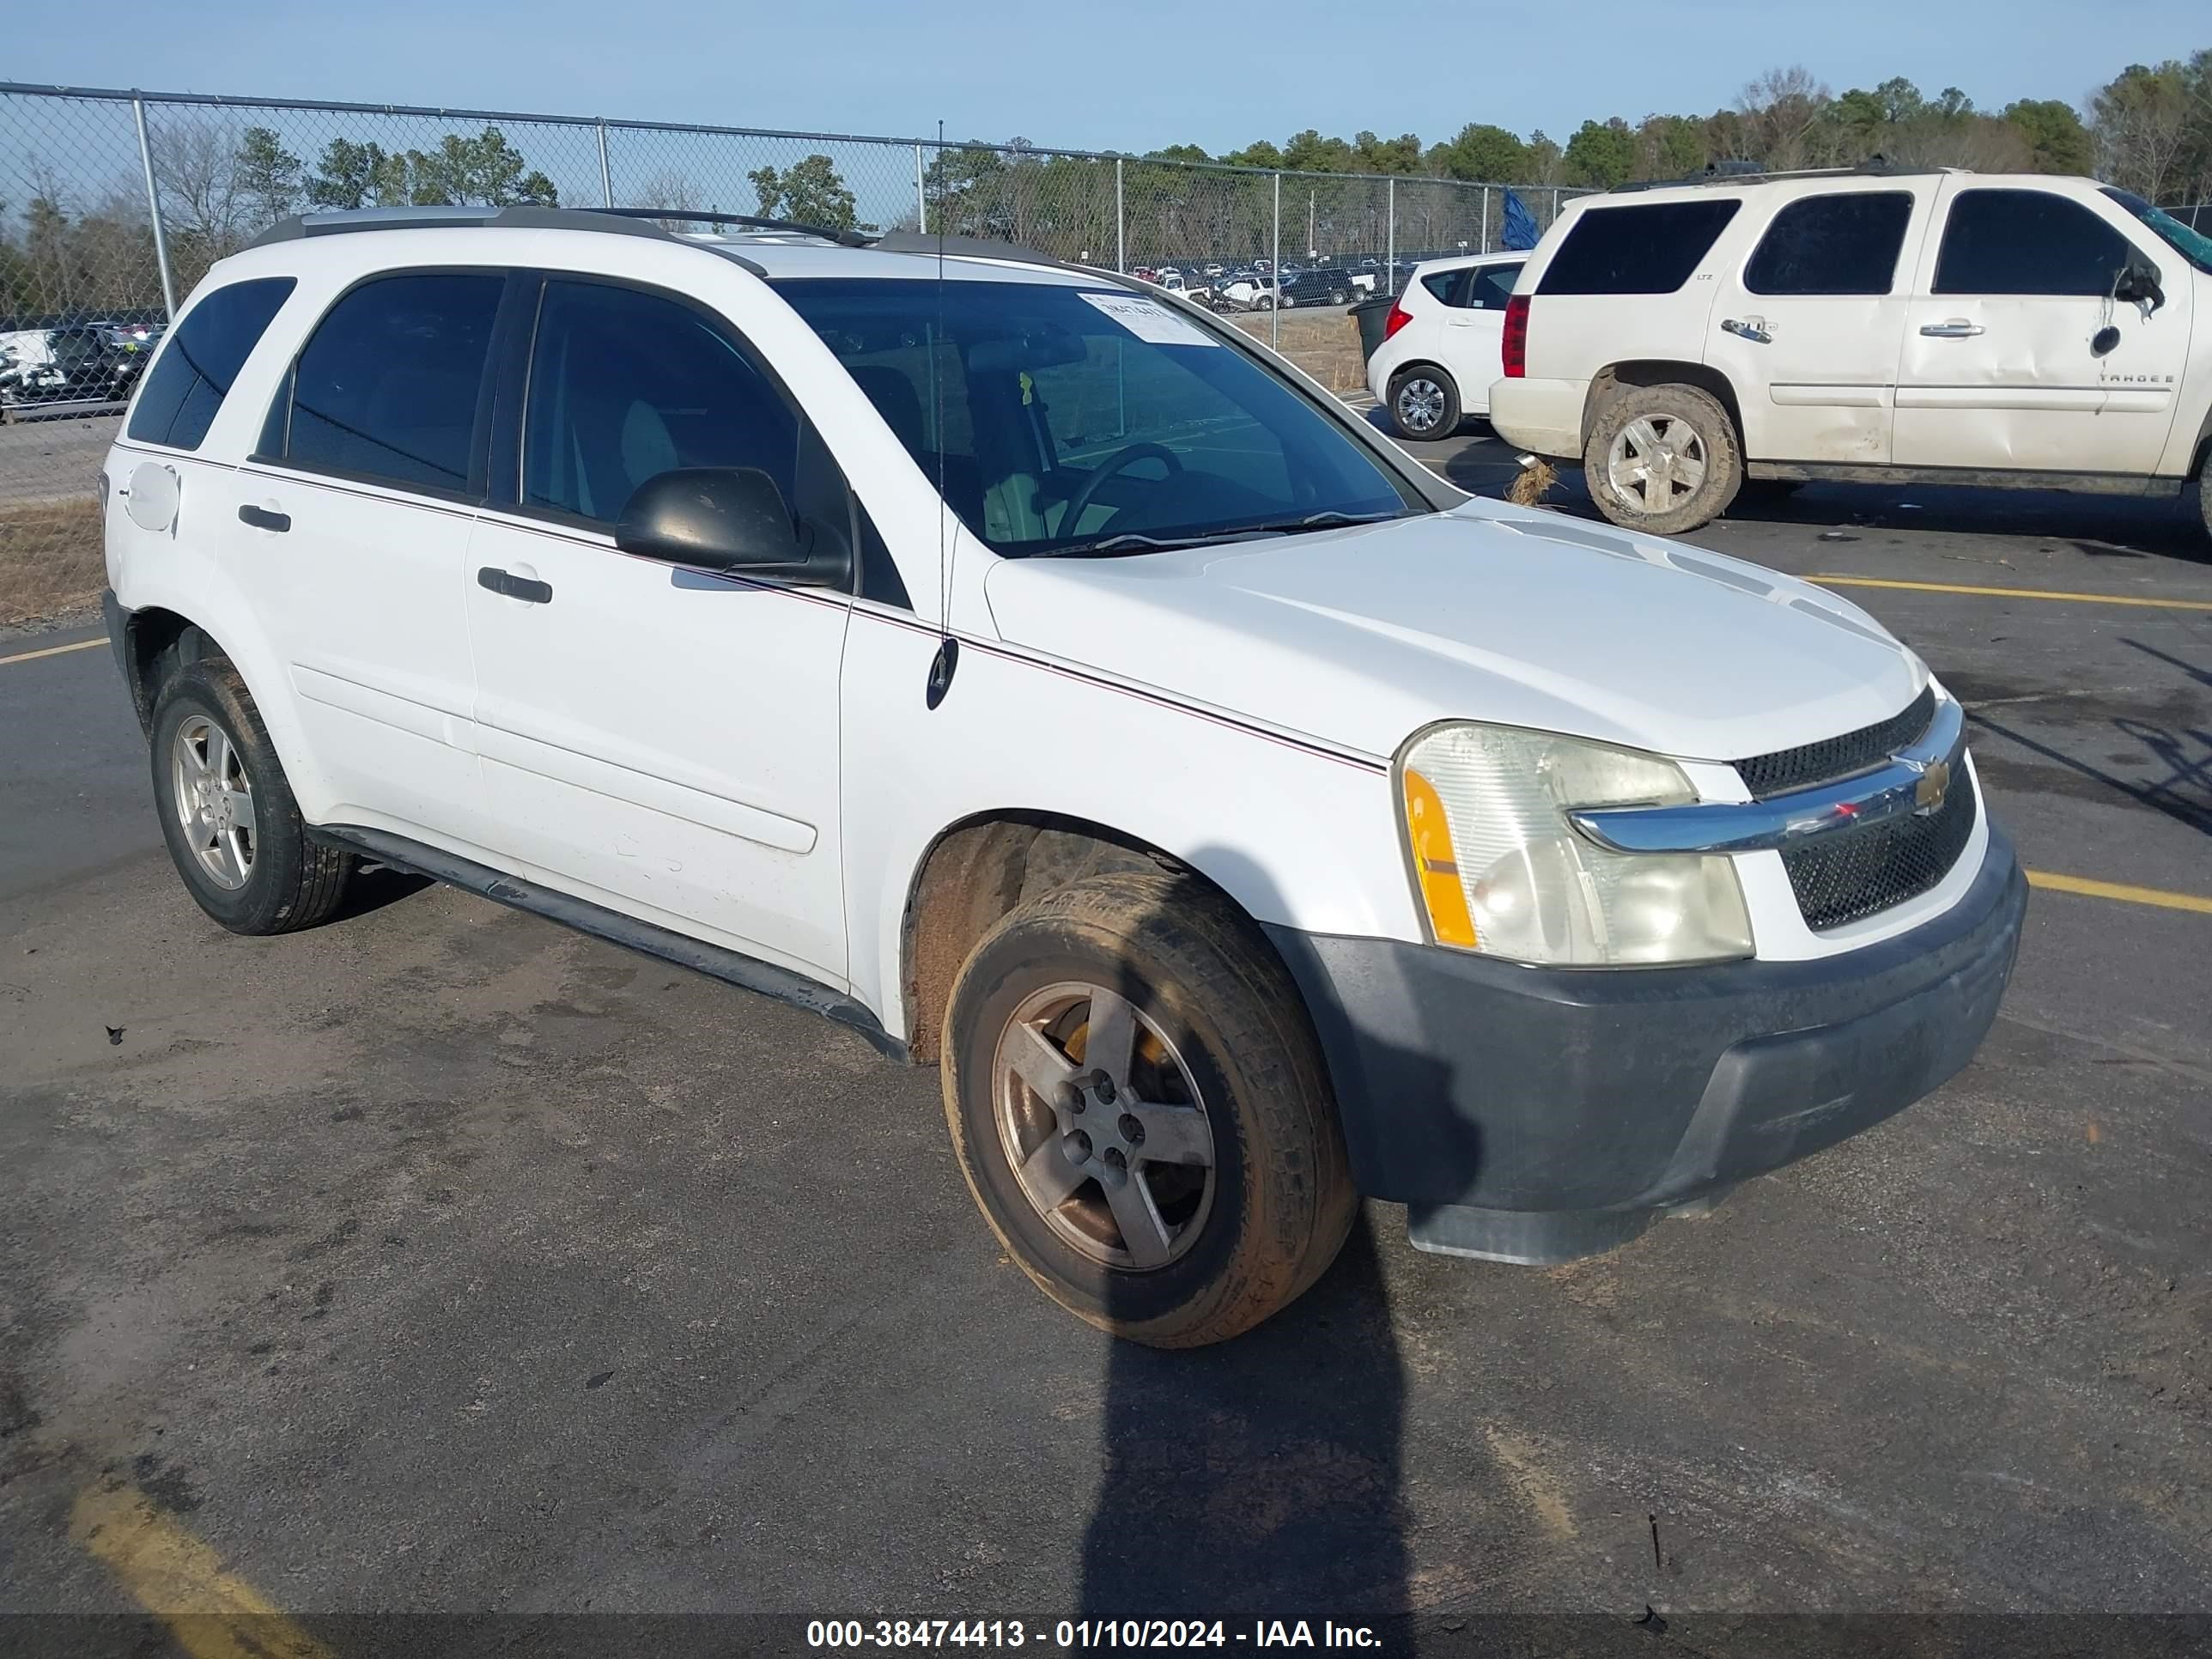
[[1036, 676], [1441, 344]]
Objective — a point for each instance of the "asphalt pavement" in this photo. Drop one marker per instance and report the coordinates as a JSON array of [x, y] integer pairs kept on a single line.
[[439, 1262]]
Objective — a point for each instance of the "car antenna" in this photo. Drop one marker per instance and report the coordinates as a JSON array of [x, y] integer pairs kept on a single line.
[[947, 660]]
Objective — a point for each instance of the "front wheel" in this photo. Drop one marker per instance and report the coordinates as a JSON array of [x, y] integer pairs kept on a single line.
[[1141, 1111], [1662, 458], [1424, 402]]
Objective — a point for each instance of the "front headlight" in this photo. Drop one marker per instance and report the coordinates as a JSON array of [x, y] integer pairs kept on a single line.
[[1500, 869]]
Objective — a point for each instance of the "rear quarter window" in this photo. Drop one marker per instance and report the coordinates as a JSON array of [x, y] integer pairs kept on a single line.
[[1648, 248], [193, 373]]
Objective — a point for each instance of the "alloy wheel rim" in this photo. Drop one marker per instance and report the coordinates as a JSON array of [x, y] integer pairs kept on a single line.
[[1421, 405], [214, 799], [1103, 1127], [1656, 462]]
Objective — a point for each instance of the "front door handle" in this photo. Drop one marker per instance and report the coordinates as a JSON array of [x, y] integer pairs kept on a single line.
[[1752, 328], [515, 586], [262, 518], [1957, 329]]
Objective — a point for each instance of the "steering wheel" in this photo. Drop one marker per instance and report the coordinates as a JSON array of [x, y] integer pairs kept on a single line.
[[1127, 455]]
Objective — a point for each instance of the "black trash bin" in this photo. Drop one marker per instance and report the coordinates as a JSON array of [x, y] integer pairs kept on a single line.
[[1372, 314]]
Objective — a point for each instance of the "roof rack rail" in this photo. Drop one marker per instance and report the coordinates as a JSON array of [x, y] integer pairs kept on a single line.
[[742, 220], [346, 220], [968, 247], [1752, 173]]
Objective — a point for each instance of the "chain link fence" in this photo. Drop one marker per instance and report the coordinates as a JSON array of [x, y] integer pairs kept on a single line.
[[113, 204]]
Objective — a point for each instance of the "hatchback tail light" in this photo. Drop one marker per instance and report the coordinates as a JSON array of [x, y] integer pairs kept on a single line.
[[1398, 319], [1514, 345]]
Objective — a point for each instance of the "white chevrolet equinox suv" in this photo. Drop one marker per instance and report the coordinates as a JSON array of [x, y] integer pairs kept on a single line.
[[1682, 342], [1045, 681]]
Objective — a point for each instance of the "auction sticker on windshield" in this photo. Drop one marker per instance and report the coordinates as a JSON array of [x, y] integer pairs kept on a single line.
[[1148, 321]]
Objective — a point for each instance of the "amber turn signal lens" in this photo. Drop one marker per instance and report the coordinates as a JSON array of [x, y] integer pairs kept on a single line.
[[1436, 866]]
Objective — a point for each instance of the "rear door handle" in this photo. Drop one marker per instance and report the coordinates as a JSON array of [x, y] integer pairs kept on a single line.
[[1753, 329], [262, 518], [1957, 329], [515, 586]]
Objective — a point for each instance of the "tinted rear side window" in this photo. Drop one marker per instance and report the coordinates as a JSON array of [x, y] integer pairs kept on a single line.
[[2028, 241], [1651, 248], [1841, 244], [193, 374], [1446, 285], [387, 386], [1493, 287]]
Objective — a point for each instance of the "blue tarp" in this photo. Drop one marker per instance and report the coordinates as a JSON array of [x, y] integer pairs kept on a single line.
[[1520, 224]]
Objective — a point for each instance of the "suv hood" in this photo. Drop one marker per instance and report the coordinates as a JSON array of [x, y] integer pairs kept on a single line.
[[1358, 637]]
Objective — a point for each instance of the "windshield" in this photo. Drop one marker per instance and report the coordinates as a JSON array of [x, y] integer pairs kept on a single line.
[[2192, 246], [1071, 420]]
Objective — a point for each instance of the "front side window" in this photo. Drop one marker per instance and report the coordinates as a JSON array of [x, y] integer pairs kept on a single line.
[[1651, 248], [1068, 419], [2028, 241], [625, 385], [192, 376], [387, 387], [1846, 243], [1493, 287]]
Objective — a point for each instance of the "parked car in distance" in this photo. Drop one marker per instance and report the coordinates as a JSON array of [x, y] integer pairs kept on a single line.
[[1421, 868], [1684, 343], [1441, 344], [1248, 293], [1318, 287], [54, 371]]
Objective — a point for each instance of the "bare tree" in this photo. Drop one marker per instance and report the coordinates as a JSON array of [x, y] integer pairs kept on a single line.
[[195, 167], [670, 187], [2143, 123], [1781, 109]]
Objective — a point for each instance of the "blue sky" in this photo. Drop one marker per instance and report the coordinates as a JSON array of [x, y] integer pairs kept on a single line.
[[1123, 74]]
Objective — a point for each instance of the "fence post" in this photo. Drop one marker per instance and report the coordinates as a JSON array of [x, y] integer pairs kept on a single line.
[[1121, 235], [1390, 240], [1275, 270], [921, 195], [1483, 247], [606, 177], [1555, 206], [154, 210]]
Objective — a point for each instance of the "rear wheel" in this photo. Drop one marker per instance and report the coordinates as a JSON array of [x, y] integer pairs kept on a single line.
[[2204, 494], [1663, 459], [1141, 1111], [1424, 402], [227, 811]]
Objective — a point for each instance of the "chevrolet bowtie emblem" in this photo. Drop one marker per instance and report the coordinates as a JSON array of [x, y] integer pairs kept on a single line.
[[1934, 782]]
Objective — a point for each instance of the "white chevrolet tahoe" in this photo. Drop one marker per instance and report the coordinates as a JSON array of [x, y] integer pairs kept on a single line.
[[1940, 327], [1047, 682]]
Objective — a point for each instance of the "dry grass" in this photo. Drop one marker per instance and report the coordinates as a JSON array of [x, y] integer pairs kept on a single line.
[[51, 559], [1326, 344], [1532, 485]]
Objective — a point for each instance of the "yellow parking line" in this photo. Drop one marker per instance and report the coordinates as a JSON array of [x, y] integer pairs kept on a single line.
[[51, 651], [2120, 890], [212, 1612], [2013, 592]]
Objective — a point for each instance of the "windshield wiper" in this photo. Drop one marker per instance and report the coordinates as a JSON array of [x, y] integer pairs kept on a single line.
[[1131, 541]]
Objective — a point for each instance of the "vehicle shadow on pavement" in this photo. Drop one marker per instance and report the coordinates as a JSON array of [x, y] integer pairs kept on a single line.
[[1259, 1478], [2098, 526]]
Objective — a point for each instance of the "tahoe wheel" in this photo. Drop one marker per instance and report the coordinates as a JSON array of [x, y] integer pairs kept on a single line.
[[1663, 459], [226, 813], [1424, 402], [1142, 1112]]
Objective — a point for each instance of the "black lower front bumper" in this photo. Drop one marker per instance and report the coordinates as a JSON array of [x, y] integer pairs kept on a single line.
[[1537, 1115]]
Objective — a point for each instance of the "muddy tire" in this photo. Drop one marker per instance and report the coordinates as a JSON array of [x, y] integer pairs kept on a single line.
[[1141, 1110], [233, 827], [1663, 459]]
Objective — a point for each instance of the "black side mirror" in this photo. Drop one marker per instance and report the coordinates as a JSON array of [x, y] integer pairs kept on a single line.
[[2138, 285], [727, 518]]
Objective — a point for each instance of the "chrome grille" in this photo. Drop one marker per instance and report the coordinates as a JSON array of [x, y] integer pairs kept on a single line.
[[1825, 761], [1843, 878]]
